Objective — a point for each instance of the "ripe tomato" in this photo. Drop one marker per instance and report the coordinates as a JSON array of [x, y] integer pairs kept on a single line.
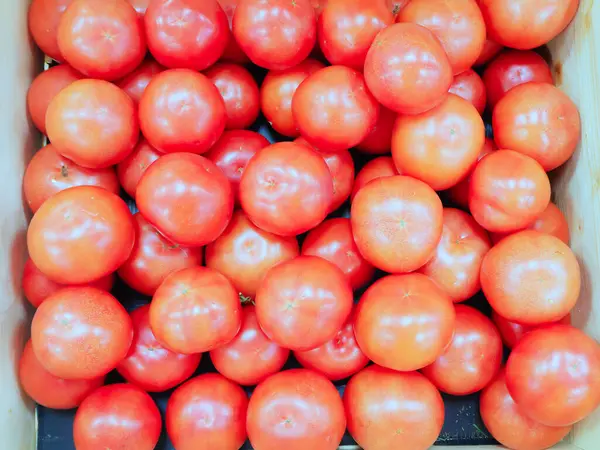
[[379, 140], [140, 6], [387, 409], [187, 198], [513, 332], [182, 111], [473, 357], [44, 88], [508, 423], [195, 310], [251, 356], [346, 30], [131, 169], [49, 390], [296, 409], [206, 413], [404, 322], [376, 168], [490, 50], [303, 303], [397, 223], [233, 52], [135, 83], [154, 257], [508, 191], [186, 34], [117, 416], [102, 39], [540, 121], [407, 69], [275, 34], [441, 145], [553, 374], [469, 86], [80, 235], [239, 92], [531, 278], [286, 189], [43, 19], [148, 364], [81, 333]]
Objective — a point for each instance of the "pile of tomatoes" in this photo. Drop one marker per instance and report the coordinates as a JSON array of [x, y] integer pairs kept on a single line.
[[252, 250]]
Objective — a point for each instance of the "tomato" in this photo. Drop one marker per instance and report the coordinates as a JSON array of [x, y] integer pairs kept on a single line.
[[509, 425], [404, 322], [48, 173], [513, 332], [44, 88], [508, 191], [275, 34], [379, 140], [276, 94], [441, 145], [148, 364], [49, 390], [187, 198], [457, 24], [388, 409], [553, 374], [490, 50], [131, 169], [207, 412], [397, 223], [524, 24], [318, 6], [140, 6], [195, 310], [286, 189], [531, 278], [512, 68], [251, 356], [182, 111], [186, 34], [80, 235], [540, 121], [154, 257], [117, 416], [296, 409], [233, 52], [43, 19], [346, 30], [469, 86], [135, 83], [407, 69], [376, 168], [102, 39], [81, 333], [302, 303]]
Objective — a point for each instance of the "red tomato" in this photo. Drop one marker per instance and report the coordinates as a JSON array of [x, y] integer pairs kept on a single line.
[[207, 413], [102, 39], [49, 390], [131, 169], [195, 310], [81, 333], [531, 278], [490, 50], [388, 409], [43, 19], [232, 52], [473, 357], [553, 374], [140, 6], [457, 260], [540, 121], [276, 94], [379, 140], [397, 223], [407, 69], [513, 332], [302, 303], [508, 423], [296, 410], [153, 258], [376, 168], [48, 173], [117, 416], [286, 189], [135, 83], [148, 364], [441, 145], [182, 111], [251, 356], [404, 322], [187, 198], [44, 88], [275, 34], [80, 235], [186, 34], [469, 86], [508, 191], [346, 30]]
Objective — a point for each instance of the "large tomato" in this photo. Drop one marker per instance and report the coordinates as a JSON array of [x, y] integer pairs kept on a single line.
[[513, 332], [131, 169], [43, 19], [469, 86], [376, 168], [379, 140], [303, 303], [232, 52], [136, 82]]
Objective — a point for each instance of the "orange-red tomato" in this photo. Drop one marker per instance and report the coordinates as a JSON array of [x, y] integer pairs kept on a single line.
[[513, 332], [131, 169], [43, 19], [379, 140], [490, 50], [469, 86], [233, 52], [136, 82], [377, 168]]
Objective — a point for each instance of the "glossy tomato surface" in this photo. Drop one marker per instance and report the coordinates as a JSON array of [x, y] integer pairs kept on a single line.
[[513, 332], [233, 52], [379, 140], [136, 82], [469, 86], [382, 166], [43, 19], [131, 169]]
